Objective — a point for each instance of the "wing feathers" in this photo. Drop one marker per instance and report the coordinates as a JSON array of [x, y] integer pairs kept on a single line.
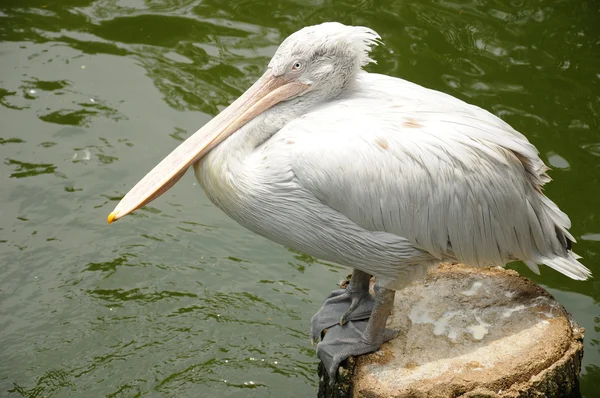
[[451, 178]]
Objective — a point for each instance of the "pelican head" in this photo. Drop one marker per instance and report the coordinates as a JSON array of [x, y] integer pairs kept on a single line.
[[326, 56], [320, 60]]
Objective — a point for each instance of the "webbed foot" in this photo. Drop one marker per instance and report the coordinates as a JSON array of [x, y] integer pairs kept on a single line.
[[343, 341], [350, 304], [357, 337]]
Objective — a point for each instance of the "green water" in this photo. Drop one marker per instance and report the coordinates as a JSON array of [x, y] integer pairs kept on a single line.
[[177, 300]]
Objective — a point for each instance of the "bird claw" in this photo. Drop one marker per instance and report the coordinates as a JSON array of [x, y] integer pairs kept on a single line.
[[352, 306], [345, 341], [356, 300]]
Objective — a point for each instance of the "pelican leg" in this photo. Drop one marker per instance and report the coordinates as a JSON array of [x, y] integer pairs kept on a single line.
[[357, 337], [343, 305]]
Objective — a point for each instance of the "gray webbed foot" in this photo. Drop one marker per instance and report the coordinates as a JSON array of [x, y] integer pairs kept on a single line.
[[343, 341], [340, 307], [350, 304], [357, 337]]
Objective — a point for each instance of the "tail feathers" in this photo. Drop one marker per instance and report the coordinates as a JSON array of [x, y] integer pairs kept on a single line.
[[561, 220], [568, 266], [533, 267]]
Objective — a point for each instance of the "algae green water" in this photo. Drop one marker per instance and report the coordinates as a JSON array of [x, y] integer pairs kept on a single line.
[[178, 300]]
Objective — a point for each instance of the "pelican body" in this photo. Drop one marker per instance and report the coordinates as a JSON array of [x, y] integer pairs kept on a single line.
[[372, 172]]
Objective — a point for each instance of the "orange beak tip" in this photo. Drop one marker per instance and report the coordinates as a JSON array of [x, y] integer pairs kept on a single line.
[[112, 217]]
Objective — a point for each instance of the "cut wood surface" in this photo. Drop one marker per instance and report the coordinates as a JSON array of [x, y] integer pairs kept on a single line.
[[467, 332]]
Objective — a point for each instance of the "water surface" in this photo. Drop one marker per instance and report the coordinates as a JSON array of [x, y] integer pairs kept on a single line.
[[178, 300]]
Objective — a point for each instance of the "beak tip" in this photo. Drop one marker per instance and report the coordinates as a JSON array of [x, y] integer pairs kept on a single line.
[[112, 217]]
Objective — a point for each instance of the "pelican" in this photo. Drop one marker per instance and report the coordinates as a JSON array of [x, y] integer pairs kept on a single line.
[[372, 172]]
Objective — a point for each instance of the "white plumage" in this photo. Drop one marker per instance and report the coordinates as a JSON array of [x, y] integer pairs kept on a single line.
[[391, 174], [369, 171]]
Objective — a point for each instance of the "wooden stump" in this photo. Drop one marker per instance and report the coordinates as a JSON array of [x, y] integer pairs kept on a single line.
[[467, 332]]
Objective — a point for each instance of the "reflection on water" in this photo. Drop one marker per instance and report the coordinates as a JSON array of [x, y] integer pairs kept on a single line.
[[23, 169], [178, 299]]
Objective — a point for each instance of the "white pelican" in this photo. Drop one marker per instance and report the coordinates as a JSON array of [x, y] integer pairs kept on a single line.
[[372, 172]]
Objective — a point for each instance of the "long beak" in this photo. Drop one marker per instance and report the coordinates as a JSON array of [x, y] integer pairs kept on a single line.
[[266, 92]]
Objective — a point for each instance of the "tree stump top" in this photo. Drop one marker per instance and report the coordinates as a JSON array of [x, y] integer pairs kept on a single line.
[[474, 332]]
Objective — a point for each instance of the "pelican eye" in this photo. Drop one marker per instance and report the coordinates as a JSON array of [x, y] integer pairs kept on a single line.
[[297, 65]]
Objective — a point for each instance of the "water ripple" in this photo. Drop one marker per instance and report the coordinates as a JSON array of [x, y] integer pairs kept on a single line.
[[177, 298]]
